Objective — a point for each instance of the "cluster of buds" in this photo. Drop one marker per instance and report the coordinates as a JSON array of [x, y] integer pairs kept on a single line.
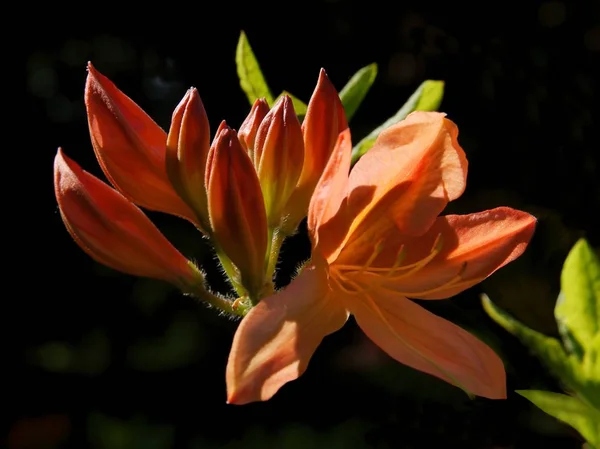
[[246, 190]]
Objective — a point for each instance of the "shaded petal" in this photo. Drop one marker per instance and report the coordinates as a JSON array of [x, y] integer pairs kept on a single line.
[[112, 230], [130, 147], [417, 338], [327, 219], [471, 247], [405, 181], [236, 208], [276, 340], [186, 154]]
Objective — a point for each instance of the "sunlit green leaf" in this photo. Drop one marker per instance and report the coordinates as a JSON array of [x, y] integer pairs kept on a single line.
[[578, 307], [251, 78], [581, 378], [357, 88], [548, 349], [299, 105], [427, 97], [570, 410]]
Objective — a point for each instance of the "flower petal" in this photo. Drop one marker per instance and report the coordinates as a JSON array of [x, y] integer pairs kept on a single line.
[[236, 208], [414, 169], [130, 147], [325, 119], [471, 247], [112, 230], [276, 340], [417, 338], [327, 219]]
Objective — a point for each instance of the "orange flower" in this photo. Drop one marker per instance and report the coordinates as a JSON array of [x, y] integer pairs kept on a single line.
[[377, 240], [249, 128], [113, 231], [188, 143], [236, 208], [278, 156], [130, 147], [324, 120]]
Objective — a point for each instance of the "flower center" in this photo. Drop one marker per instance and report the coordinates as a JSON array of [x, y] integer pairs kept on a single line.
[[347, 277]]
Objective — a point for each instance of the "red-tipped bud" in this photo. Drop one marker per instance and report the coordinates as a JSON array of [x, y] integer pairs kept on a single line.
[[114, 231], [248, 129], [325, 119], [278, 156], [236, 208], [188, 143], [130, 147]]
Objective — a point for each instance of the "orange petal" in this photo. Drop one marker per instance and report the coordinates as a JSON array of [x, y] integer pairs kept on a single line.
[[130, 147], [421, 340], [414, 169], [188, 143], [112, 230], [249, 128], [236, 208], [278, 157], [471, 247], [276, 340], [325, 119], [326, 216]]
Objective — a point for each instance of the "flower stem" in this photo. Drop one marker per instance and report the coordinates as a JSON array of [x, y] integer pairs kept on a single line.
[[231, 273], [199, 291], [276, 241]]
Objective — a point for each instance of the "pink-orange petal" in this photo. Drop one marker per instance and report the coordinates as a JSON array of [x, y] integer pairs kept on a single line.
[[405, 181], [472, 246], [275, 341], [415, 337], [327, 219]]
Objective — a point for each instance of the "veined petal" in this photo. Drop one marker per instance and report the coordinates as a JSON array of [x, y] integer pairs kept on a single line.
[[130, 147], [112, 230], [327, 219], [463, 250], [417, 338], [405, 181], [275, 341]]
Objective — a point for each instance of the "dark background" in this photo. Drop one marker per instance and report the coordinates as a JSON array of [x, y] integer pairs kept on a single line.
[[107, 361]]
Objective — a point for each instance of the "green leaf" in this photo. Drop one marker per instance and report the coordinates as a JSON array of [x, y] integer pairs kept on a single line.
[[299, 105], [356, 89], [252, 81], [578, 309], [582, 378], [427, 97], [548, 349], [570, 410]]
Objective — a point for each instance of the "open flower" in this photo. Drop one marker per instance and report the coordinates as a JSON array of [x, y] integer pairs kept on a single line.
[[377, 239]]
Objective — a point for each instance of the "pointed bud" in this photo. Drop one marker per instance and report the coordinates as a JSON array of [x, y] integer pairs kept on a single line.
[[130, 147], [325, 119], [188, 143], [279, 153], [249, 128], [113, 231], [236, 209]]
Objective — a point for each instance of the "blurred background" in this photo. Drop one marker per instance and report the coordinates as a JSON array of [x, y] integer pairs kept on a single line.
[[107, 361]]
